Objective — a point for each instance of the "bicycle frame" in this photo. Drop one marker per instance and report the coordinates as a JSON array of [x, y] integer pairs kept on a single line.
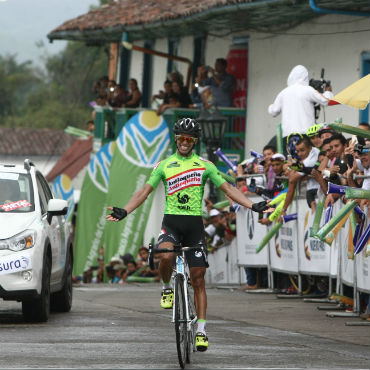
[[181, 268]]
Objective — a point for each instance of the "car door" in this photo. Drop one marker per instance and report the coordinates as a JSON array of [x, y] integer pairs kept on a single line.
[[52, 229]]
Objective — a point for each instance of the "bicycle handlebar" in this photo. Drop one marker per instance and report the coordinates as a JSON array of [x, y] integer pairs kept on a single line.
[[176, 249]]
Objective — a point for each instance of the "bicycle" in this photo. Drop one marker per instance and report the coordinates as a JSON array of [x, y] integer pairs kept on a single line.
[[183, 312]]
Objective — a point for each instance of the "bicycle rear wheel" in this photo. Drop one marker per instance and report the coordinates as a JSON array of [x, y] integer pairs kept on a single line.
[[180, 320]]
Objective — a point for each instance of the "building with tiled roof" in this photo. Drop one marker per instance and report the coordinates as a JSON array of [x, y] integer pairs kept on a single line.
[[43, 146], [261, 39]]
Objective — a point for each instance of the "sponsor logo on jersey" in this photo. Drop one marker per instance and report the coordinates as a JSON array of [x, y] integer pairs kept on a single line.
[[196, 164], [185, 180], [198, 254], [173, 164]]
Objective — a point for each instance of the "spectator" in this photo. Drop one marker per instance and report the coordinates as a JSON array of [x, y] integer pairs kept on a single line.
[[221, 83], [314, 134], [117, 97], [296, 102], [134, 95], [176, 76], [165, 94], [180, 91], [90, 126], [308, 158], [142, 258], [99, 85], [130, 270], [325, 133]]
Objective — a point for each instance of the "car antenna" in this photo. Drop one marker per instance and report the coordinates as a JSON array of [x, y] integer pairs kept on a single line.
[[28, 164]]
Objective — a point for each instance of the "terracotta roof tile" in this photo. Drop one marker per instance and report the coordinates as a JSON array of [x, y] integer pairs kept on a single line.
[[28, 141], [73, 160], [131, 12]]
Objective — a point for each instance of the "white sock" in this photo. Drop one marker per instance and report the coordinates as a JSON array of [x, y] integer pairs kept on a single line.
[[166, 285], [201, 326]]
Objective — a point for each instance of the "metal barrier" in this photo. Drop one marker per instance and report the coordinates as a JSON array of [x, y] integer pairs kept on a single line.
[[293, 251]]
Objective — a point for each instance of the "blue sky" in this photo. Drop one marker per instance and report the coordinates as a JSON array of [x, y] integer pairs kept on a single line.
[[23, 23]]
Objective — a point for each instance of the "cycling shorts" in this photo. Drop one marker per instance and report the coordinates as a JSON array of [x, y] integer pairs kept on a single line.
[[189, 231]]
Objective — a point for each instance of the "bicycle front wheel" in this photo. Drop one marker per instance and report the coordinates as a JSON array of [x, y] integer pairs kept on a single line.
[[180, 320]]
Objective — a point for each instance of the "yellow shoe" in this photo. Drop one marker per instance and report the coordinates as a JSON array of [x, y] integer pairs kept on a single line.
[[167, 298], [201, 342]]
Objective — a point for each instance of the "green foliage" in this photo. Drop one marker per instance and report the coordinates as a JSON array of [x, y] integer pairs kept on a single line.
[[55, 98]]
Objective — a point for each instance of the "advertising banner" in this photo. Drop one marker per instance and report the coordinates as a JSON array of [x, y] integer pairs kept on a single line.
[[142, 143], [233, 272], [92, 209], [363, 270], [347, 264], [63, 189], [314, 255], [218, 265], [284, 246], [249, 234]]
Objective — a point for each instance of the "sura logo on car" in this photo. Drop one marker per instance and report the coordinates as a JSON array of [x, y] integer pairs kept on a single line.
[[14, 264]]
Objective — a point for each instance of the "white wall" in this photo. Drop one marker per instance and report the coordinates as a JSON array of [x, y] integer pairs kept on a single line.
[[159, 66], [272, 57], [136, 67]]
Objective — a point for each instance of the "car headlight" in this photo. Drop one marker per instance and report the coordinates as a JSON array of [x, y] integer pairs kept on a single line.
[[24, 240]]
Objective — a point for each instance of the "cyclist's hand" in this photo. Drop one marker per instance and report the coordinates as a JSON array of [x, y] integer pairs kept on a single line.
[[261, 207], [118, 214]]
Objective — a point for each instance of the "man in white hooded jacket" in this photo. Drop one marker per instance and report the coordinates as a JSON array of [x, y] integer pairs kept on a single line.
[[296, 102]]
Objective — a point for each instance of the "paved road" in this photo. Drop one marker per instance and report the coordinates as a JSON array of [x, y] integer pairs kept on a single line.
[[123, 327]]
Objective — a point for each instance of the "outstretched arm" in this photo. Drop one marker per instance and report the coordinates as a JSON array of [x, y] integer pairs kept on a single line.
[[136, 200], [237, 196]]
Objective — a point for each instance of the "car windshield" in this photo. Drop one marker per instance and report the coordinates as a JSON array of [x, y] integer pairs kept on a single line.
[[16, 193]]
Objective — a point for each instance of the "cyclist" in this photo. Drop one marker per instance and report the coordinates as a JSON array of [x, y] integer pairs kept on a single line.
[[184, 175]]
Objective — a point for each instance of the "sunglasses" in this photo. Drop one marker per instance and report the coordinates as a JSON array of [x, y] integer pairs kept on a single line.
[[189, 139]]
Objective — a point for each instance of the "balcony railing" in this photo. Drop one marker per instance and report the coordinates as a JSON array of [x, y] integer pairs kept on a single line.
[[109, 123]]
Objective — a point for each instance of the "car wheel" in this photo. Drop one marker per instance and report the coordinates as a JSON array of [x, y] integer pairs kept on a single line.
[[38, 309], [62, 301]]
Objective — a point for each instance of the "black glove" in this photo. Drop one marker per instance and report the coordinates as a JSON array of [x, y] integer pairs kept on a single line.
[[260, 206], [119, 213]]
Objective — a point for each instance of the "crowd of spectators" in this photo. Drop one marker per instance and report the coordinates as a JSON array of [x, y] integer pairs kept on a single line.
[[319, 156], [109, 93], [120, 269]]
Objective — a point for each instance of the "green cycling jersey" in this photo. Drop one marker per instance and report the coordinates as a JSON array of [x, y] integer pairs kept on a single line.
[[184, 179]]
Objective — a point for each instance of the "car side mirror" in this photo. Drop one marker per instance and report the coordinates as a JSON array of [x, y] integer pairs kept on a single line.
[[56, 207]]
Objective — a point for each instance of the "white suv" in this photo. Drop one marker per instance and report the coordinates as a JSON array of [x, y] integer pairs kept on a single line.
[[36, 255]]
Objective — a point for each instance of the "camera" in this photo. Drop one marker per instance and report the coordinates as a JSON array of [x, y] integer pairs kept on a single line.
[[321, 84], [362, 149]]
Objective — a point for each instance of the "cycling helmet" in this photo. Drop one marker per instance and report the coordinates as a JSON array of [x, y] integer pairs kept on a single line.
[[187, 126], [314, 130], [291, 142]]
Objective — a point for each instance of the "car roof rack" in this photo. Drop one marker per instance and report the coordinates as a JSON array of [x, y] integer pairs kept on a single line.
[[28, 164]]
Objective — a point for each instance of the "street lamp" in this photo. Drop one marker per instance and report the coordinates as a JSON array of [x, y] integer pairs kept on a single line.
[[213, 128]]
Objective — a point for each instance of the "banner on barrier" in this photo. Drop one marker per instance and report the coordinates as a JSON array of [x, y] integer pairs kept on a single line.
[[363, 271], [347, 264], [314, 255], [284, 246], [249, 234]]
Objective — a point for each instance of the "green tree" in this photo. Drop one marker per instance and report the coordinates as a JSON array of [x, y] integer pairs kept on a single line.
[[56, 98]]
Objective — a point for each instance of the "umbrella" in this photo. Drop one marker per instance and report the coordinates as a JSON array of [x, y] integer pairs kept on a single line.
[[356, 95]]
